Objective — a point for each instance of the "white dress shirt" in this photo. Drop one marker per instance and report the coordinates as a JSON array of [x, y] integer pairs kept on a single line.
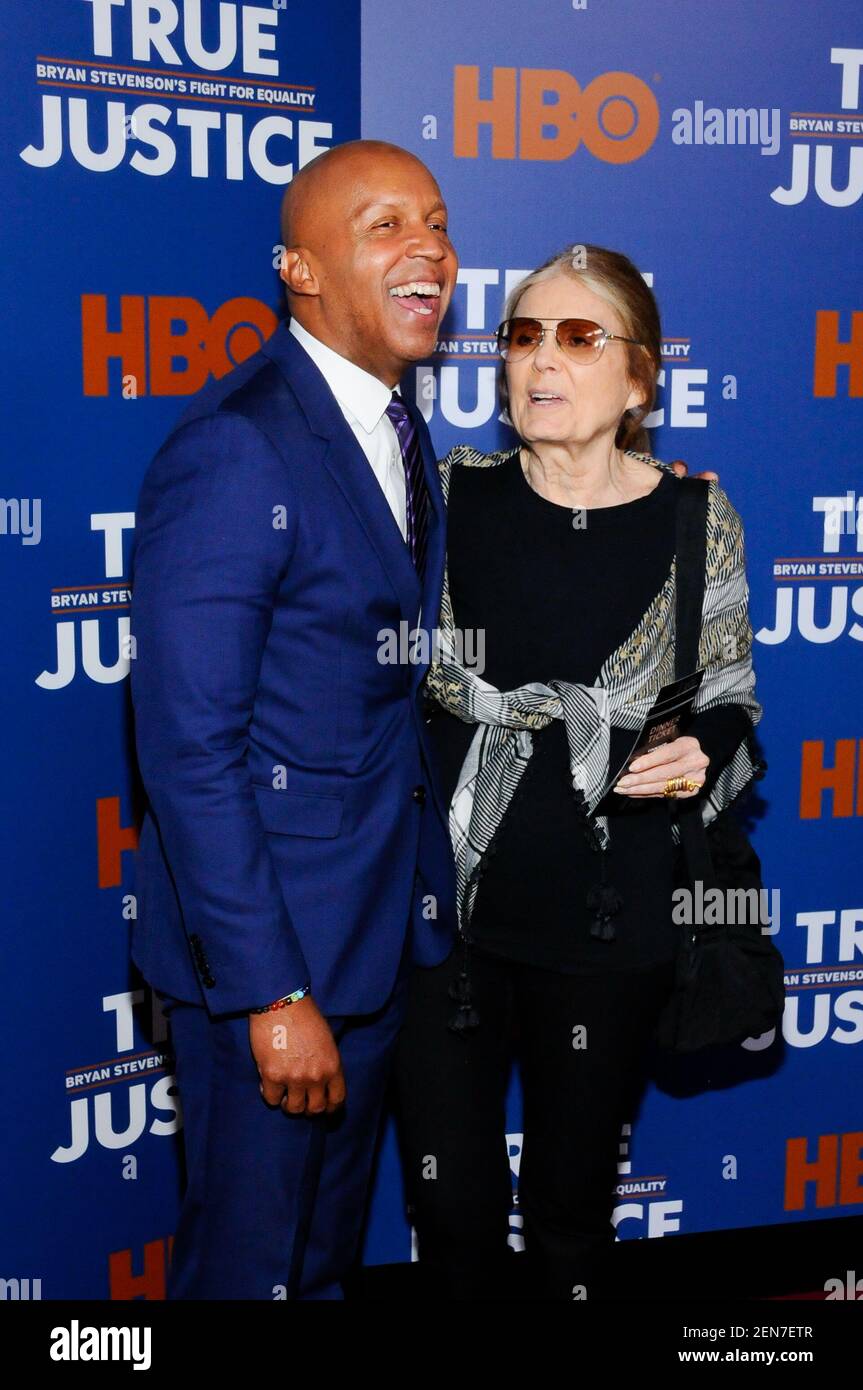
[[363, 400]]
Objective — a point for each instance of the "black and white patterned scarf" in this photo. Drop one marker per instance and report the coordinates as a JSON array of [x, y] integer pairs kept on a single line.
[[624, 691]]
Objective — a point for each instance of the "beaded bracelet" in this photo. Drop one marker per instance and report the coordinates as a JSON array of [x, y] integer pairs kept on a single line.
[[287, 999]]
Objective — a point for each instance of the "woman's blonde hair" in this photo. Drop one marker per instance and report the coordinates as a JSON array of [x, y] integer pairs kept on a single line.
[[611, 275]]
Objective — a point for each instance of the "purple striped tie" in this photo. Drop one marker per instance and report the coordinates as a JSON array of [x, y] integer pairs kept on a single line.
[[416, 491]]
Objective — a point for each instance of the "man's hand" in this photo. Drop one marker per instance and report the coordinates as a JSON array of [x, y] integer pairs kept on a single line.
[[681, 469], [297, 1059], [648, 774]]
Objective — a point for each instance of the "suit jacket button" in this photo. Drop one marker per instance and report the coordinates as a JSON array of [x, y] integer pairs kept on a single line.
[[419, 795]]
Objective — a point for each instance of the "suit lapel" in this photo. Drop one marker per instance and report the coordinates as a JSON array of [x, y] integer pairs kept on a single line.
[[432, 587], [348, 466], [433, 581]]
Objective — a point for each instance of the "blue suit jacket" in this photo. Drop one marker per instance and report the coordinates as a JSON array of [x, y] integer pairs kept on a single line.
[[294, 826]]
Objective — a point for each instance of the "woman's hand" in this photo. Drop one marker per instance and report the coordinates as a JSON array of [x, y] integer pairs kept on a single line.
[[648, 774]]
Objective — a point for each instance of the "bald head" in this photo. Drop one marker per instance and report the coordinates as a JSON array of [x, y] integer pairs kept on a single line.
[[325, 186], [368, 265]]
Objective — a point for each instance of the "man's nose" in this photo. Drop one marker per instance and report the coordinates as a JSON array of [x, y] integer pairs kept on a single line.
[[426, 243]]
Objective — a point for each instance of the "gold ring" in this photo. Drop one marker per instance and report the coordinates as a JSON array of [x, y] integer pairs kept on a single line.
[[680, 784]]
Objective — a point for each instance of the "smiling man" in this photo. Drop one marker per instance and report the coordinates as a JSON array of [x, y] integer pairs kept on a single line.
[[294, 859]]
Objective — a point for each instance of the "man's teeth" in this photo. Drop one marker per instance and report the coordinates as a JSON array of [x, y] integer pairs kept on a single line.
[[416, 287], [544, 396]]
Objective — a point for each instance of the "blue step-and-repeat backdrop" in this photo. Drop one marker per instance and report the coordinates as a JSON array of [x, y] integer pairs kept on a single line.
[[145, 148]]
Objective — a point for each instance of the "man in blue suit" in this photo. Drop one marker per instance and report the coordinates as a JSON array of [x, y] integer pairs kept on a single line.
[[294, 858]]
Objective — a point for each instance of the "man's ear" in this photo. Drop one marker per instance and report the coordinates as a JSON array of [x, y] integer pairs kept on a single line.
[[297, 272]]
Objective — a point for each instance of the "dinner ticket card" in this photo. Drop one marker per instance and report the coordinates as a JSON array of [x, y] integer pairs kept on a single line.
[[664, 720]]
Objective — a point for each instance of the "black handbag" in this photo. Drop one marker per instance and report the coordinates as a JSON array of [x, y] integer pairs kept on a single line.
[[729, 978]]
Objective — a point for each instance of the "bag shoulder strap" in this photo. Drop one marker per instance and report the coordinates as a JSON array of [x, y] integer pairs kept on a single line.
[[691, 552]]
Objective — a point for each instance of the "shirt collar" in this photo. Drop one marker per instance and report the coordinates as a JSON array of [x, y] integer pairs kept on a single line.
[[364, 395]]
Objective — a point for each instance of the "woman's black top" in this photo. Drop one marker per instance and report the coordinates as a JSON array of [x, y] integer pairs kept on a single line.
[[554, 600]]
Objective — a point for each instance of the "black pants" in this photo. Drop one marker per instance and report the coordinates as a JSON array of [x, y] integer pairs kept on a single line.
[[582, 1042]]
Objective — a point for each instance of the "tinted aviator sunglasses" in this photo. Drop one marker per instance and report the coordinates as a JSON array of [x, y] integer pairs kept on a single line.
[[581, 339]]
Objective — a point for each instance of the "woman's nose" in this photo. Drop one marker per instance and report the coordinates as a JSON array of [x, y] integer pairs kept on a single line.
[[548, 353]]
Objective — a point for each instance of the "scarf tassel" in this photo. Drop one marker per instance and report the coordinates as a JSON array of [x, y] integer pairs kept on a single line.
[[464, 1018], [603, 902]]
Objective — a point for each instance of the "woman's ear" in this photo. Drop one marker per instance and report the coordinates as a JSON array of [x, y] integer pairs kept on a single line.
[[639, 393]]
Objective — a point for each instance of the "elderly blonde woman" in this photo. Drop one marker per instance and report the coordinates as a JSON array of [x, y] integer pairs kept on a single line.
[[561, 551]]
